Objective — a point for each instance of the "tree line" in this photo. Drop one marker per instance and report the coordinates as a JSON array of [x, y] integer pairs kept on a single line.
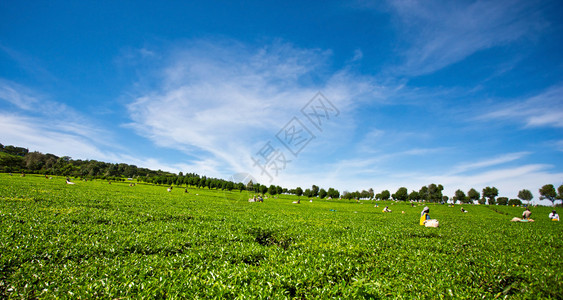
[[19, 159]]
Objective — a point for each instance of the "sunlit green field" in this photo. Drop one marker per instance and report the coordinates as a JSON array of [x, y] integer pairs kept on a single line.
[[100, 240]]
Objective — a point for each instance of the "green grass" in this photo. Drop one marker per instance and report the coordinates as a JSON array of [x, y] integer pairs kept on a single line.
[[96, 240]]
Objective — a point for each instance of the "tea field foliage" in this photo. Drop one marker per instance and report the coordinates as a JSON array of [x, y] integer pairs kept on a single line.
[[100, 240]]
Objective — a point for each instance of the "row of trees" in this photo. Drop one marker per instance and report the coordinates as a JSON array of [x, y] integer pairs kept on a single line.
[[433, 193], [547, 192], [19, 159]]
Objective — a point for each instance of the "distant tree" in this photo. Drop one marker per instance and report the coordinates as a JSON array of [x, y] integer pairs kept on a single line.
[[473, 195], [19, 151], [279, 190], [525, 195], [482, 201], [307, 193], [263, 189], [333, 193], [445, 199], [423, 193], [385, 195], [548, 192], [560, 193], [322, 193], [402, 194], [459, 196], [298, 192], [11, 163], [502, 201], [414, 196], [435, 192], [34, 161], [371, 193], [272, 190], [364, 194], [514, 202], [250, 185], [240, 187], [490, 193], [314, 191]]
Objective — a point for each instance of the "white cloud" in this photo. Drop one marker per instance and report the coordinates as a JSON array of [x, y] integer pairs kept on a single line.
[[38, 135], [542, 110], [507, 180], [489, 162], [440, 33], [222, 101], [17, 95]]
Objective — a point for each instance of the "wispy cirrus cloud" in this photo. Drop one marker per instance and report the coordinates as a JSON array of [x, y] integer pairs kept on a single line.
[[32, 107], [221, 100], [440, 33], [18, 95], [495, 161], [542, 110]]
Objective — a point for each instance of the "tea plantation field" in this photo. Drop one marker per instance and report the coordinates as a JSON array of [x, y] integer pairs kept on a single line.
[[99, 240]]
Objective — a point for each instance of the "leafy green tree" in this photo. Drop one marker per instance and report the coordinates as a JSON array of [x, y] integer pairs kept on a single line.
[[459, 196], [298, 192], [263, 189], [250, 185], [560, 193], [490, 193], [423, 193], [322, 193], [548, 192], [473, 195], [502, 201], [525, 195], [514, 202], [272, 190], [333, 193], [482, 201], [10, 162], [414, 196], [385, 195], [371, 193], [307, 193], [435, 192], [314, 191], [402, 194]]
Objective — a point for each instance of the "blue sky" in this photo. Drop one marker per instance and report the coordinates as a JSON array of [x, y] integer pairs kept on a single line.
[[466, 94]]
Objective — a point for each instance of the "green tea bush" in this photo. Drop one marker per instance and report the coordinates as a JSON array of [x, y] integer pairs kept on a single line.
[[99, 240]]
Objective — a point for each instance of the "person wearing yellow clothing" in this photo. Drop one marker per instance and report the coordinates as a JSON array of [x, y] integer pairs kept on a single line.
[[424, 215]]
